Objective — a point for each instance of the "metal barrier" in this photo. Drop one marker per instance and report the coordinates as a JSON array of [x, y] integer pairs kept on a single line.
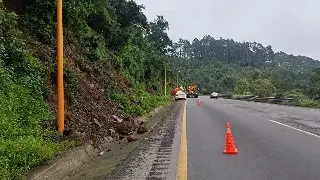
[[272, 100]]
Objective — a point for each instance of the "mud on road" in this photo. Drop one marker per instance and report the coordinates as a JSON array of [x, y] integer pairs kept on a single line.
[[153, 156]]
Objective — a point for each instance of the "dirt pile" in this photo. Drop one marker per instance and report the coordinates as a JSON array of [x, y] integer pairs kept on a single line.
[[89, 114]]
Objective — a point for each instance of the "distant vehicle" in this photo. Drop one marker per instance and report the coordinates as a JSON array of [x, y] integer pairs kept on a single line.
[[214, 95], [192, 91], [177, 89], [180, 95], [174, 91]]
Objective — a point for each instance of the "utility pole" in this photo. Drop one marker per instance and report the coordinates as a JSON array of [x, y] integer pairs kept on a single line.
[[60, 88], [165, 79]]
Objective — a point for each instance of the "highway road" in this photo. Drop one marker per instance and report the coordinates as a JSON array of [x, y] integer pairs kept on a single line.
[[267, 149], [274, 143]]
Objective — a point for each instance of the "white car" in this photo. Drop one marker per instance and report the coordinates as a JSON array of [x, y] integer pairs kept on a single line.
[[214, 95], [180, 95]]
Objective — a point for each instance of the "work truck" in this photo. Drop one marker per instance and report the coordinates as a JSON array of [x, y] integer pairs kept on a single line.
[[192, 91]]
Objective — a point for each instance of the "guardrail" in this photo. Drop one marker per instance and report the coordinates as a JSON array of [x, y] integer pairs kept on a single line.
[[226, 96], [273, 100]]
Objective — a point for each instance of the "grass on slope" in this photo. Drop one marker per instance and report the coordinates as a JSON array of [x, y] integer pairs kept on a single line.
[[23, 111], [23, 142], [26, 135], [141, 104]]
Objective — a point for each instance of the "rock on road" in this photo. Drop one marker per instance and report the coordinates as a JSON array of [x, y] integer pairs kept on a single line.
[[274, 142]]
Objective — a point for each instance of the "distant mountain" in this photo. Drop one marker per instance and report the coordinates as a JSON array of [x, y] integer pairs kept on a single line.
[[221, 64], [299, 63]]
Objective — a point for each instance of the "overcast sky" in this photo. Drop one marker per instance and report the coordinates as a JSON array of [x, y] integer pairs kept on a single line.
[[292, 26]]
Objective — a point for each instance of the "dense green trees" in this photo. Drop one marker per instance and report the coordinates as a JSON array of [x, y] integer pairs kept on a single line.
[[106, 40], [224, 65], [315, 83], [242, 87]]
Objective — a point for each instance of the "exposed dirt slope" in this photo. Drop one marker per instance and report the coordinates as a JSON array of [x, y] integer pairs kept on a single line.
[[89, 114]]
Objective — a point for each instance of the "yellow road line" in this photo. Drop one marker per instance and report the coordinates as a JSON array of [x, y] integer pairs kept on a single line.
[[182, 163]]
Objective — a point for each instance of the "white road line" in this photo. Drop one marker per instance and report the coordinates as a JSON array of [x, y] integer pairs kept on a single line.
[[295, 128]]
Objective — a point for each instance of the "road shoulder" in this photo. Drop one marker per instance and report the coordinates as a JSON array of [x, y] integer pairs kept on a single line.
[[143, 158], [76, 159]]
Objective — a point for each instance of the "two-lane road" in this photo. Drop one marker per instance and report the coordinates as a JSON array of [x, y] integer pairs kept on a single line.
[[267, 150], [274, 143]]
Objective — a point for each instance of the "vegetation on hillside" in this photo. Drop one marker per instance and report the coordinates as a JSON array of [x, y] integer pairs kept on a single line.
[[226, 66], [114, 65]]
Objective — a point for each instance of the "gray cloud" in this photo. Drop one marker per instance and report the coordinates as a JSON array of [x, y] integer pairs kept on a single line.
[[292, 26]]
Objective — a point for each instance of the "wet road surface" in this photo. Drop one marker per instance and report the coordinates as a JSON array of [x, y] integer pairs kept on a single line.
[[274, 142], [267, 149]]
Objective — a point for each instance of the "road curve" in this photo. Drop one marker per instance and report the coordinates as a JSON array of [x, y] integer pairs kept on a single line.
[[267, 149]]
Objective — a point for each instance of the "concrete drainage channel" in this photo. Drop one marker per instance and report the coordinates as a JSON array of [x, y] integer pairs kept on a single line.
[[157, 157]]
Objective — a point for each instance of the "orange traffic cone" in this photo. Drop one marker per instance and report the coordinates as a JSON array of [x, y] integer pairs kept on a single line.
[[198, 102], [230, 145]]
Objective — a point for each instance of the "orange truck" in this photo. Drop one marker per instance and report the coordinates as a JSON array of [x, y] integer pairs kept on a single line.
[[192, 91]]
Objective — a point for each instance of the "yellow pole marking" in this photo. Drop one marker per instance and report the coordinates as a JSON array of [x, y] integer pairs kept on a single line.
[[60, 87], [182, 163]]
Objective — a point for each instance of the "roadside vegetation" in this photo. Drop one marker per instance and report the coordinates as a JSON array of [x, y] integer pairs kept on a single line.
[[247, 68], [114, 65]]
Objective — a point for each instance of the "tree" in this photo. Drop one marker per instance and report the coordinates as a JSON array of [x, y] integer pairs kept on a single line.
[[242, 87], [262, 88], [315, 83], [129, 13], [158, 35]]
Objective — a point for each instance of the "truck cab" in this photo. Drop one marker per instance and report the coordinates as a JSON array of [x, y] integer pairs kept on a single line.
[[192, 91]]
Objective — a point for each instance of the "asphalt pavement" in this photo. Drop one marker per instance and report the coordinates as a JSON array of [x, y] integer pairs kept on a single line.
[[157, 156], [274, 142]]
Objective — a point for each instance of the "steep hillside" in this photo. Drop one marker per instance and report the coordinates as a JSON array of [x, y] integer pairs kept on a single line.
[[114, 66]]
